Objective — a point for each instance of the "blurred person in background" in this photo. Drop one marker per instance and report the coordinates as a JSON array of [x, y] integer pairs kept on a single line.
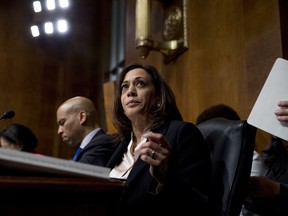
[[18, 137], [267, 194]]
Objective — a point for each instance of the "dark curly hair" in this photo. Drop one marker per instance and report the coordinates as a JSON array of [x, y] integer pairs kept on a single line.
[[275, 157]]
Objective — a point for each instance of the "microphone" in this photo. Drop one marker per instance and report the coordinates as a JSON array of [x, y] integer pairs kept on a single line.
[[7, 115]]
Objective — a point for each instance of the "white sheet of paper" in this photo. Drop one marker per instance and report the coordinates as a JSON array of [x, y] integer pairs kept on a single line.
[[274, 90]]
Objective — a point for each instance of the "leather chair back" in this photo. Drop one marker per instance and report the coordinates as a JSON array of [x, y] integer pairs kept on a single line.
[[231, 145]]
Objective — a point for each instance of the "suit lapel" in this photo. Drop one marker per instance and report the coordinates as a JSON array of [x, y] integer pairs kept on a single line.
[[116, 158]]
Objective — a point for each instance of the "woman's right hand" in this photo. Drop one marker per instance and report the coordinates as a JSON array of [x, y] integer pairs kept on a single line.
[[155, 151]]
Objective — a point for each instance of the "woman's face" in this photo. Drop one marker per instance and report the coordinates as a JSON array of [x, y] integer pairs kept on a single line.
[[8, 145], [137, 94]]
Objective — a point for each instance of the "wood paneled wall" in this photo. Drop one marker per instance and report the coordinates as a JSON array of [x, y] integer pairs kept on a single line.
[[37, 75], [232, 47]]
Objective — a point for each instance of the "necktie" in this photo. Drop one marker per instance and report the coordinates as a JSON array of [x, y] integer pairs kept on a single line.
[[77, 153]]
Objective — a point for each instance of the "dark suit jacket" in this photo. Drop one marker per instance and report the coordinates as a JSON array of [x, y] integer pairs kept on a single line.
[[188, 177], [98, 151]]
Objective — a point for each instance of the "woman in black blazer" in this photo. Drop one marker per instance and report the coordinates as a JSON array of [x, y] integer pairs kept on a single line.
[[164, 160]]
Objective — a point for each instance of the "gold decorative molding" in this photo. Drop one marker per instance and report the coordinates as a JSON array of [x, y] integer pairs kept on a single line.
[[174, 28]]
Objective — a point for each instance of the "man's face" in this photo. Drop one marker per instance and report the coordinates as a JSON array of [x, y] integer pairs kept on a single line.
[[69, 126]]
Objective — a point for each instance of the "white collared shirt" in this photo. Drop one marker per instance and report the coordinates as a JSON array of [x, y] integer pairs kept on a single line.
[[123, 169]]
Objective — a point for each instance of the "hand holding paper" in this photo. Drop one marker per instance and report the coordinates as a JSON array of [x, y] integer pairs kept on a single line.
[[268, 114], [282, 112]]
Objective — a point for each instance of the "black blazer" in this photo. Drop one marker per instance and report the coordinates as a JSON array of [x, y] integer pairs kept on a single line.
[[188, 178], [98, 150]]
